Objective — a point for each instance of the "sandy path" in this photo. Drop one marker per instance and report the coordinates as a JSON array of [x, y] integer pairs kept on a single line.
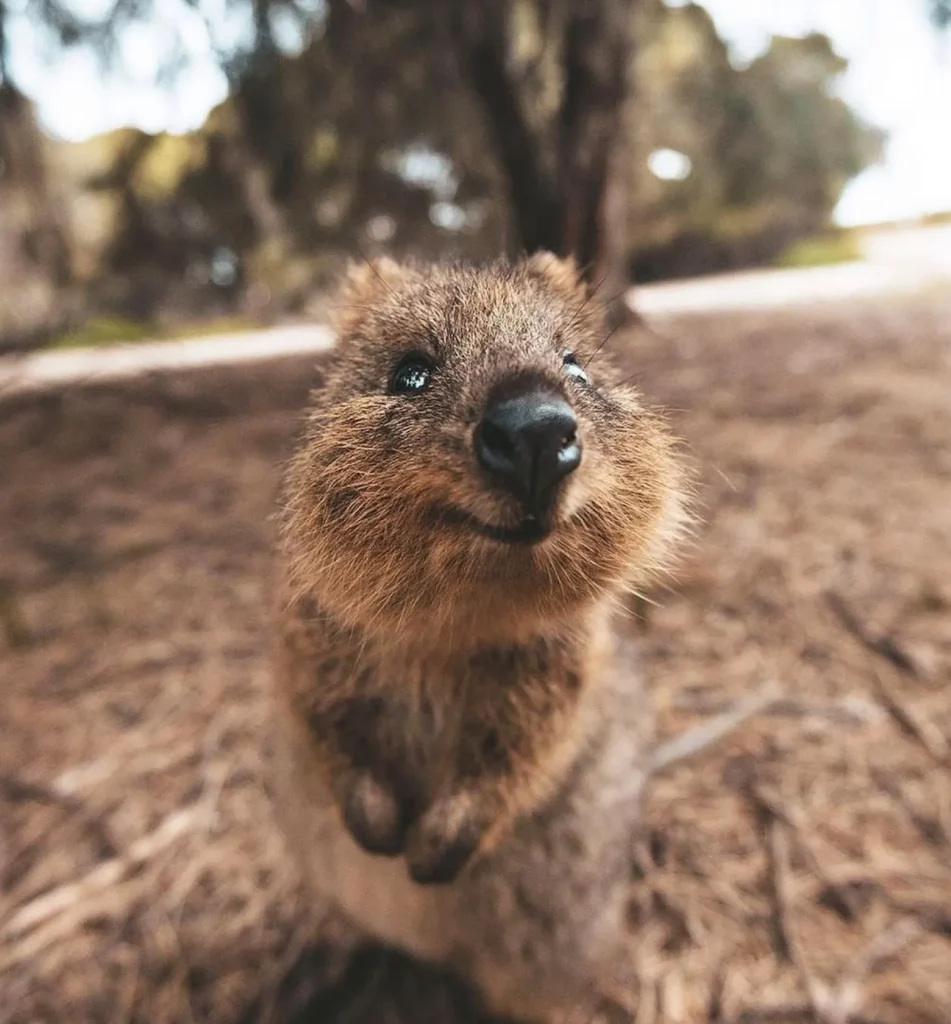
[[897, 261]]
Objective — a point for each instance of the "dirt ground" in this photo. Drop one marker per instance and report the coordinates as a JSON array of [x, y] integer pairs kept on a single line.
[[799, 870]]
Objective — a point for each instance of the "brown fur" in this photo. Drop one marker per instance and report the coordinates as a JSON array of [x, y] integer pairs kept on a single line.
[[436, 686]]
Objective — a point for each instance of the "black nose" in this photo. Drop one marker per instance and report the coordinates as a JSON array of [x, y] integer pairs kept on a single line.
[[529, 443]]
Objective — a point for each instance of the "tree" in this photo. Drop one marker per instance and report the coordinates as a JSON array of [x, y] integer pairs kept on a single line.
[[769, 146], [544, 111], [565, 166], [34, 244], [551, 78], [941, 13]]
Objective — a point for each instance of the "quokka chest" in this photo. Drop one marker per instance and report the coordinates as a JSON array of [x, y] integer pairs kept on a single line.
[[418, 724]]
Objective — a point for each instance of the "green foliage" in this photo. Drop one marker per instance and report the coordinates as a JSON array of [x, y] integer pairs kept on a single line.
[[304, 162], [771, 146]]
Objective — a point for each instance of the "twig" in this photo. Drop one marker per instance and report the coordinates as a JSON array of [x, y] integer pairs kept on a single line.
[[833, 893], [215, 776], [848, 711], [882, 645], [846, 1000], [779, 825], [817, 990], [912, 724], [110, 903], [84, 893], [783, 1013], [694, 741], [21, 790], [83, 775], [131, 759], [928, 827], [838, 1005], [770, 807]]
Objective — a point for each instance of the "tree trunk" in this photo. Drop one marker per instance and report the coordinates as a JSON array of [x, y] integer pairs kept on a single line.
[[262, 152], [594, 155], [35, 253], [575, 202], [594, 93], [479, 30]]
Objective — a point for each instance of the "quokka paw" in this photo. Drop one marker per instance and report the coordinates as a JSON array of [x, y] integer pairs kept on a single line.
[[376, 818], [445, 838]]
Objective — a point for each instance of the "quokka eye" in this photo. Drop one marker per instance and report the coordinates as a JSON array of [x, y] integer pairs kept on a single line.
[[573, 368], [411, 375]]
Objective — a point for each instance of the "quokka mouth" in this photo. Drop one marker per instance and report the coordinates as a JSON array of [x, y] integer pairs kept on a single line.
[[530, 531]]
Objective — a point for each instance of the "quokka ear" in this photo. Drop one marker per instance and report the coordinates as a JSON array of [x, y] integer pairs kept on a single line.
[[370, 278], [363, 284], [561, 274]]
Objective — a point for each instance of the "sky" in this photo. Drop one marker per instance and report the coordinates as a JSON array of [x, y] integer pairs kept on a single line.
[[899, 78]]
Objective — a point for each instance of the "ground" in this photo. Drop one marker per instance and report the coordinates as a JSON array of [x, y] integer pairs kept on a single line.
[[798, 870]]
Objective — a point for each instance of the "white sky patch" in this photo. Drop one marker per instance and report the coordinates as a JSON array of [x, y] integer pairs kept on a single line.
[[75, 100], [669, 165]]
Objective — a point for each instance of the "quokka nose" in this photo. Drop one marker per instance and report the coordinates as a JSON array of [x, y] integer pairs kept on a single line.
[[529, 443]]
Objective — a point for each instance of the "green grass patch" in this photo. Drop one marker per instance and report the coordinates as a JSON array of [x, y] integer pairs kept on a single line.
[[104, 331], [821, 250]]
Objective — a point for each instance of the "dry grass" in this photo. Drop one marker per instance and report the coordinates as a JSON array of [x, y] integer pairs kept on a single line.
[[799, 870]]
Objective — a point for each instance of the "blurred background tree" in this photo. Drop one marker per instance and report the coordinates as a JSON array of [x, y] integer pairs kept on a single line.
[[35, 266], [769, 148], [941, 13], [618, 131]]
